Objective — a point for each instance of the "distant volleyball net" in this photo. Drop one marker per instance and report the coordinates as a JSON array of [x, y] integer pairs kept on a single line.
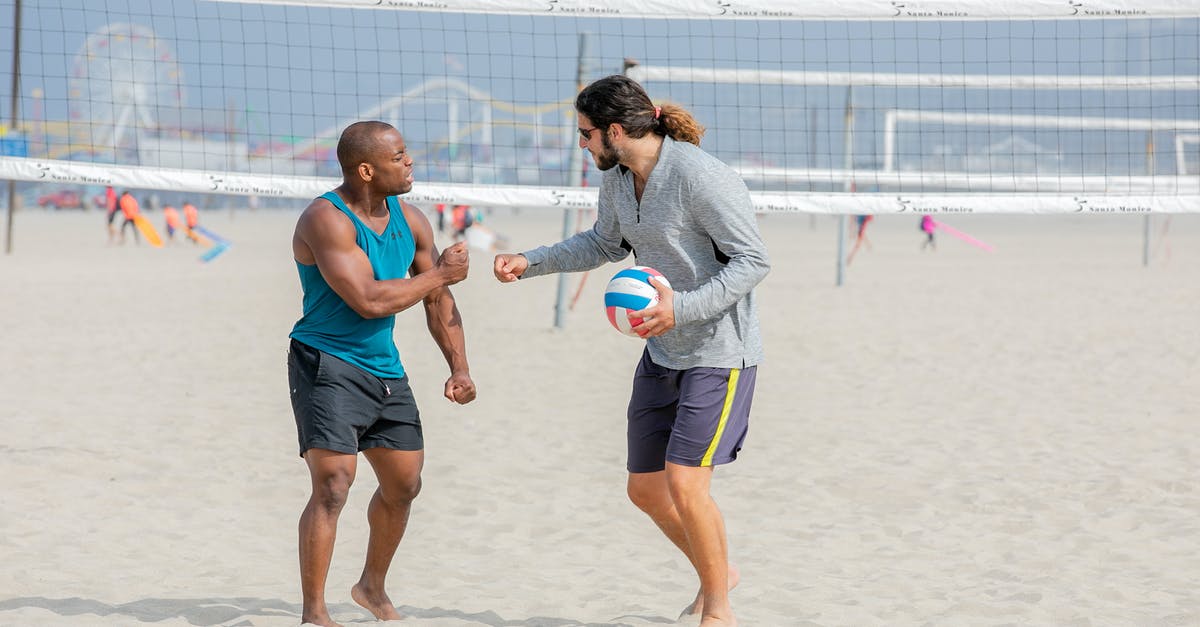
[[966, 106]]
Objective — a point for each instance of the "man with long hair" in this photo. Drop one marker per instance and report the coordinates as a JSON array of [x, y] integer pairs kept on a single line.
[[689, 216]]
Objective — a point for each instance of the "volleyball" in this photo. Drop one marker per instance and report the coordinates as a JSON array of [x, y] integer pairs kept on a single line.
[[630, 290]]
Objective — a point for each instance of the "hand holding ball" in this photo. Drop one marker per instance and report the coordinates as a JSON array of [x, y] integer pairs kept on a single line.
[[631, 290]]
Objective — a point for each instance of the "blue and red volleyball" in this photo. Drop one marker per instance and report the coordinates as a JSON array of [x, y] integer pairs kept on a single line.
[[630, 290]]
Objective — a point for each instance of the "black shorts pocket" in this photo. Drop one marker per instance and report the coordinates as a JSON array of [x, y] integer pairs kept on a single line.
[[304, 364]]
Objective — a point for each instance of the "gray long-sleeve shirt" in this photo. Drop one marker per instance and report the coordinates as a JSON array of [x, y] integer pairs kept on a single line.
[[696, 225]]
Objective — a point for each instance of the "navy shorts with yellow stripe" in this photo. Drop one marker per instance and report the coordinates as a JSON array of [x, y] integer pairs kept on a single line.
[[693, 417]]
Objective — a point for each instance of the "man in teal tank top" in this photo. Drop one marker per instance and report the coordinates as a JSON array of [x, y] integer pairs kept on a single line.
[[354, 247]]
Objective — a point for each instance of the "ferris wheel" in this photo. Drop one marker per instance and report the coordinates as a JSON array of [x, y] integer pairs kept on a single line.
[[124, 81]]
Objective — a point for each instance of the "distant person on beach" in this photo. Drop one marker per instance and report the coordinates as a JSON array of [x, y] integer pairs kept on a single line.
[[683, 212], [110, 206], [191, 219], [353, 247], [461, 219], [928, 226], [130, 210], [440, 209], [172, 220], [860, 236]]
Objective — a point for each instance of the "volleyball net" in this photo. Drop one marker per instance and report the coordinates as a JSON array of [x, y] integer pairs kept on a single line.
[[950, 106]]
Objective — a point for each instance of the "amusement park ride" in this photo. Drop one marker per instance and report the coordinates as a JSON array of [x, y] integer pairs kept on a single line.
[[127, 105]]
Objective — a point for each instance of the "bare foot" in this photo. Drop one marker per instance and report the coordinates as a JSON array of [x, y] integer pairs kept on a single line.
[[320, 622], [376, 603], [717, 622], [696, 608]]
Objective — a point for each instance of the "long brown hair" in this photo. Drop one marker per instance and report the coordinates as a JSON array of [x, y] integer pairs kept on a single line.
[[620, 100]]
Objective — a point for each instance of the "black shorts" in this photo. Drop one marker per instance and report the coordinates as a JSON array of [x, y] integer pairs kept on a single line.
[[693, 417], [343, 408]]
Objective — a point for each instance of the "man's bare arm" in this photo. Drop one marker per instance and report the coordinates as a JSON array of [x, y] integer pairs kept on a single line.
[[326, 237], [441, 313]]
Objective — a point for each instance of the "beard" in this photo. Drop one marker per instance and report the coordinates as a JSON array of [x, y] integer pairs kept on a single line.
[[607, 158]]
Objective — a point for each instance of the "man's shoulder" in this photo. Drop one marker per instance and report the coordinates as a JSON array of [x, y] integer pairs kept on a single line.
[[321, 206], [695, 158], [323, 215], [694, 166]]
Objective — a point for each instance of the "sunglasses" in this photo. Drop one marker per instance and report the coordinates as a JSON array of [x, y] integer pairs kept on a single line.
[[586, 133]]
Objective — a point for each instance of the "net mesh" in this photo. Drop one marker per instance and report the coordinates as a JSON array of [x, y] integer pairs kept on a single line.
[[910, 109]]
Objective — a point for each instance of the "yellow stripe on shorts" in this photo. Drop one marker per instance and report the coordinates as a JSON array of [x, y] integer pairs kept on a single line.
[[729, 394]]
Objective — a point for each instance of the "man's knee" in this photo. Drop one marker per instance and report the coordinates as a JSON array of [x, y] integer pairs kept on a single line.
[[332, 488], [401, 491], [648, 492], [688, 486]]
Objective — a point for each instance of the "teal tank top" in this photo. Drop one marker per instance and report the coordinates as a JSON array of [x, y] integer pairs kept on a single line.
[[330, 325]]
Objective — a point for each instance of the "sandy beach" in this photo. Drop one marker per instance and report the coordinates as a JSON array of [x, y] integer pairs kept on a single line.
[[950, 438]]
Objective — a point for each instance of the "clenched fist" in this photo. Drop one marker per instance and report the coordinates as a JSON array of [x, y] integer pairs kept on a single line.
[[509, 268], [454, 263]]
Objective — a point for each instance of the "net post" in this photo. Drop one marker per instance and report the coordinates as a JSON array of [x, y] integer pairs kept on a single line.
[[16, 104], [1147, 219], [574, 179], [848, 139]]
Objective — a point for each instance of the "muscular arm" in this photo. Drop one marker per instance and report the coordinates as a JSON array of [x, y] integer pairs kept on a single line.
[[326, 237], [441, 312]]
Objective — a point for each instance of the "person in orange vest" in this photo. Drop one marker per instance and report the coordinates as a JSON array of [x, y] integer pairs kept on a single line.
[[129, 208], [440, 208], [174, 222], [110, 205], [461, 219], [192, 218]]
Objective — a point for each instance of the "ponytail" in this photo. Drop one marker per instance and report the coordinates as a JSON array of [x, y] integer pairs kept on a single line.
[[677, 123], [620, 100]]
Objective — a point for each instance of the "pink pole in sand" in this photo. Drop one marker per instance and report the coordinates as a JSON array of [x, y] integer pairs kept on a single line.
[[963, 236]]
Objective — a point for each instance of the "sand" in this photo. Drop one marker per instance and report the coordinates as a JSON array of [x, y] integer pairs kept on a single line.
[[951, 438]]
